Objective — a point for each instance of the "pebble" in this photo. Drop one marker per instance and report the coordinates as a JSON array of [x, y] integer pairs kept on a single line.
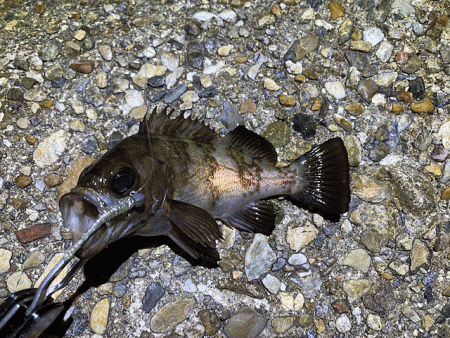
[[170, 60], [404, 6], [287, 100], [270, 84], [254, 70], [18, 281], [99, 316], [282, 324], [171, 314], [297, 259], [228, 15], [356, 288], [203, 16], [278, 133], [358, 259], [419, 255], [367, 89], [300, 236], [259, 258], [35, 95], [362, 46], [89, 146], [374, 35], [336, 10], [23, 181], [369, 189], [424, 106], [210, 321], [84, 67], [52, 180], [272, 284], [444, 135], [175, 93], [134, 98], [335, 89], [399, 267], [247, 106], [445, 194], [374, 322], [245, 323], [354, 150], [417, 88], [105, 52], [51, 50], [23, 123], [189, 286], [230, 116], [412, 65], [225, 50], [343, 324], [384, 51], [50, 149], [5, 258], [172, 78], [305, 125], [153, 294], [33, 260]]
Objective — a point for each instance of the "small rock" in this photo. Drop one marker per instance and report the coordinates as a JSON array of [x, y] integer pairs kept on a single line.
[[445, 194], [419, 255], [272, 284], [153, 294], [35, 95], [424, 106], [225, 50], [369, 189], [277, 133], [354, 150], [287, 100], [374, 35], [362, 46], [245, 323], [367, 89], [374, 322], [99, 316], [175, 93], [281, 324], [358, 259], [18, 281], [23, 181], [52, 180], [270, 84], [48, 151], [5, 258], [297, 259], [247, 106], [343, 323], [105, 52], [305, 125], [23, 123], [412, 65], [335, 89], [171, 314], [33, 260], [210, 321], [336, 10], [356, 288], [84, 67], [259, 257], [301, 236], [170, 61]]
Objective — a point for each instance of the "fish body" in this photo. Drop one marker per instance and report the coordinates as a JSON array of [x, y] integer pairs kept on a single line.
[[190, 176]]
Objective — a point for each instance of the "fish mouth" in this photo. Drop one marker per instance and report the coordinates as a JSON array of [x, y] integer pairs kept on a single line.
[[80, 208]]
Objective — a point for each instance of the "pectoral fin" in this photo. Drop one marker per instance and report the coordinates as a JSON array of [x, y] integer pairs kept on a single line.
[[194, 230]]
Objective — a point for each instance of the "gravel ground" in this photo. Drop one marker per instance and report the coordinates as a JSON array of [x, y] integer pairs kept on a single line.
[[77, 77]]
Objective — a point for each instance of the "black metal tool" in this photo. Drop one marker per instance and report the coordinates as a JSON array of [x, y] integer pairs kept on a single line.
[[27, 313]]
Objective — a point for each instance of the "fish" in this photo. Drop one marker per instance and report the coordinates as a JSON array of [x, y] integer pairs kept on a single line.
[[190, 177]]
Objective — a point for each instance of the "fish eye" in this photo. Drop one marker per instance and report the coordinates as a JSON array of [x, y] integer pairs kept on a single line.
[[121, 181]]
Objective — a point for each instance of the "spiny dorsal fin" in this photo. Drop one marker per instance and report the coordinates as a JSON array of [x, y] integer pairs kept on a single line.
[[163, 124], [250, 143]]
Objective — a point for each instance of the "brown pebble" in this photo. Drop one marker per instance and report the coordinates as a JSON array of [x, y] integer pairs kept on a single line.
[[341, 306], [287, 100], [387, 276], [404, 96], [276, 9], [31, 140], [401, 58], [300, 78], [424, 106], [47, 103], [355, 108], [357, 34], [446, 291], [35, 232], [248, 106], [309, 306], [443, 19], [23, 181], [316, 104], [53, 180], [446, 194], [336, 10], [84, 67], [239, 59], [396, 108]]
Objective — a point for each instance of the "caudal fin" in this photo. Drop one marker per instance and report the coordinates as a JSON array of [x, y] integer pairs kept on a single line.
[[324, 174]]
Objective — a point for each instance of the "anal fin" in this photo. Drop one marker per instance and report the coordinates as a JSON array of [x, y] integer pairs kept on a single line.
[[257, 216]]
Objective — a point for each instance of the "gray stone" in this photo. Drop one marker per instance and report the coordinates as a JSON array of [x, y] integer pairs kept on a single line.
[[259, 257], [153, 294], [358, 259], [272, 284], [374, 35], [171, 314], [246, 323]]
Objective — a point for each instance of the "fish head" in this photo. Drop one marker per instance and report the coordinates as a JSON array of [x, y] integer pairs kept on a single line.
[[123, 170]]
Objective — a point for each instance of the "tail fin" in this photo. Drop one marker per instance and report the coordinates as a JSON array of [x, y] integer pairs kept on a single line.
[[324, 174]]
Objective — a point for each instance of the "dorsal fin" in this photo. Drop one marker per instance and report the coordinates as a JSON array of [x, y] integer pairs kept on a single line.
[[250, 143], [163, 124]]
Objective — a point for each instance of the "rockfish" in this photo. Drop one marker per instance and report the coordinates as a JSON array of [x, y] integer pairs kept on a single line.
[[190, 176]]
